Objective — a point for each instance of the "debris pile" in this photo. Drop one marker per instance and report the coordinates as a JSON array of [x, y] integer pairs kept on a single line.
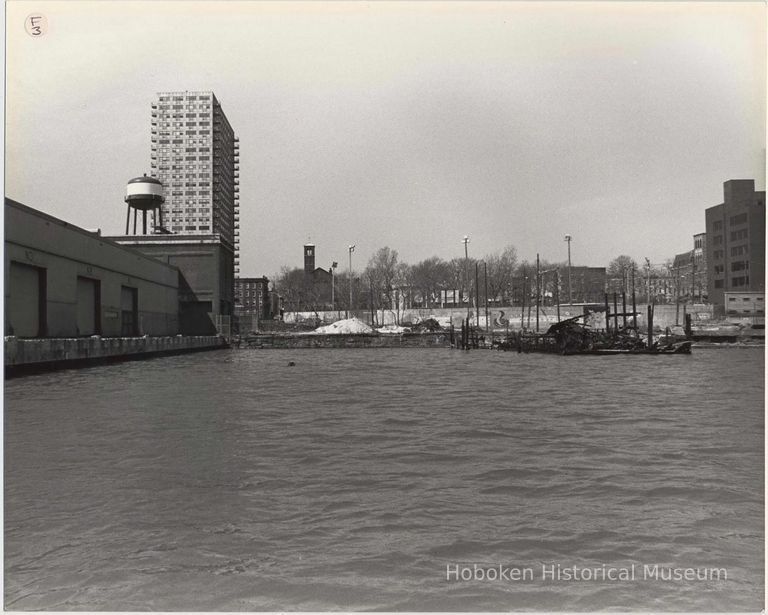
[[428, 324], [572, 336]]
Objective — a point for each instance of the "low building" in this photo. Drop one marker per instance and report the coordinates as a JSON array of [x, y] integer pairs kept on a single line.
[[749, 306], [587, 284], [583, 285], [64, 281], [206, 284]]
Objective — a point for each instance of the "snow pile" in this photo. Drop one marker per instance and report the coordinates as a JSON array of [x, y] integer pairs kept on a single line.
[[350, 325], [393, 329]]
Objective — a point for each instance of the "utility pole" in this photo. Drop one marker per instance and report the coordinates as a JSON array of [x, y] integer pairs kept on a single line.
[[634, 304], [374, 322], [522, 311], [351, 249], [677, 297], [466, 272], [334, 264], [693, 277], [648, 281], [477, 294], [538, 291], [570, 295], [487, 322]]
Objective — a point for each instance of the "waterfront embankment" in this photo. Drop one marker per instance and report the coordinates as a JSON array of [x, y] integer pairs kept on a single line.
[[513, 317], [34, 355], [440, 339]]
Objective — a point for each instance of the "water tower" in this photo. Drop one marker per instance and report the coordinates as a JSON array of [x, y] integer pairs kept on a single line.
[[143, 194]]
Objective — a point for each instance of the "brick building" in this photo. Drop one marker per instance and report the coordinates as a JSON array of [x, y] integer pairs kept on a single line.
[[252, 297], [735, 250]]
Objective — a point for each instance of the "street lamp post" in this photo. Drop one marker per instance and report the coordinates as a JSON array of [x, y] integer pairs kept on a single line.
[[351, 249], [466, 271], [570, 295], [333, 284], [648, 282]]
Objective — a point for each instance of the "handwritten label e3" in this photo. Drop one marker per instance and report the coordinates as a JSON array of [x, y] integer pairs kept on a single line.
[[36, 24]]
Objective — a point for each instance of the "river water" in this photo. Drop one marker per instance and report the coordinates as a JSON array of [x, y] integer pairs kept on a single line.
[[358, 479]]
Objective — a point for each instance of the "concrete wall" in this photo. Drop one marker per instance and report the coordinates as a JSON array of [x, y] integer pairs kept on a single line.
[[415, 340], [64, 252], [206, 286], [20, 353]]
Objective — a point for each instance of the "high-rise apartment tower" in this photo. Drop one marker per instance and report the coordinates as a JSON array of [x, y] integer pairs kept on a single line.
[[195, 154]]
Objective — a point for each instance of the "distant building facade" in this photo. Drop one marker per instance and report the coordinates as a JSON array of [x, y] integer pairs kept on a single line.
[[588, 284], [195, 154], [689, 272], [699, 273], [735, 250], [252, 297]]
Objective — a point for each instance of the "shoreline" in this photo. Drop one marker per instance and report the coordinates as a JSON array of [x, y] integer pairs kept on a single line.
[[38, 355], [51, 354]]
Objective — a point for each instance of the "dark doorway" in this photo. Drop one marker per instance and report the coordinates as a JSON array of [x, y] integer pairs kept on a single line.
[[129, 311], [88, 306], [26, 309]]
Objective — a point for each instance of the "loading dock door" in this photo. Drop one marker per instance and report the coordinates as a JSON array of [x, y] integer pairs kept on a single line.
[[88, 306], [129, 310], [26, 304]]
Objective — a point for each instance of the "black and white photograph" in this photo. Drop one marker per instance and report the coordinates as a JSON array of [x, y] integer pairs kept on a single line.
[[396, 306]]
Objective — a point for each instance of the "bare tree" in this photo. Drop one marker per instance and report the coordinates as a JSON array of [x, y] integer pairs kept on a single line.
[[461, 275], [290, 285], [620, 264], [403, 293], [341, 281], [619, 273], [429, 277], [501, 271], [299, 292], [381, 273]]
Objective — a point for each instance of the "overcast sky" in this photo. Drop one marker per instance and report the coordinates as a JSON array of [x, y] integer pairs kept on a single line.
[[405, 125]]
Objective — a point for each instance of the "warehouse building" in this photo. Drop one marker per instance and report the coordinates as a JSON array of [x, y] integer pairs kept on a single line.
[[64, 281]]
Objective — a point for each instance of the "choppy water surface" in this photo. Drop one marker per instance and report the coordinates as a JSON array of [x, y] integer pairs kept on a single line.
[[230, 481]]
